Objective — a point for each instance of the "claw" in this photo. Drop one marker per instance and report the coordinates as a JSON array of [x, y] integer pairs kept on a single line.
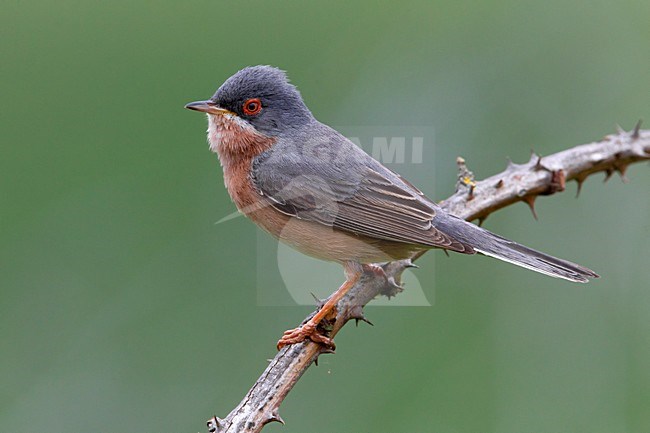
[[375, 269], [302, 333], [392, 288]]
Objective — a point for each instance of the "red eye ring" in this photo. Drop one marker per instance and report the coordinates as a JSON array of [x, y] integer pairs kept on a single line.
[[252, 106]]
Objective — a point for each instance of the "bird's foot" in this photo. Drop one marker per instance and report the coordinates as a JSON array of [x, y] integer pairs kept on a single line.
[[391, 287], [375, 269], [302, 333]]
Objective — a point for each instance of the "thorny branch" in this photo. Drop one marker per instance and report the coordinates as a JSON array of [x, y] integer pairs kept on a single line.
[[472, 200]]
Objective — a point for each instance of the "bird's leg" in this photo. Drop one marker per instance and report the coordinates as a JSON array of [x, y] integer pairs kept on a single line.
[[353, 272]]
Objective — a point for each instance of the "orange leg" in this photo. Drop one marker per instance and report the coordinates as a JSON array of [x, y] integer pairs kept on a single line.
[[353, 272]]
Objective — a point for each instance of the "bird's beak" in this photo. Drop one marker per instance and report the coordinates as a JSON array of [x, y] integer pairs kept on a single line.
[[206, 107]]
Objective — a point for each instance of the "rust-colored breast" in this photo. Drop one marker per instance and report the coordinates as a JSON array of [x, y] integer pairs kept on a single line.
[[237, 144], [249, 201]]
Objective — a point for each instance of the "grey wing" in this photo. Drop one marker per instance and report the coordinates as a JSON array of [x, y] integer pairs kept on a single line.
[[352, 192]]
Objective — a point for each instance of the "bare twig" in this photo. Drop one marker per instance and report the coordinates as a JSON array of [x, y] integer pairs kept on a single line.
[[547, 175], [472, 200]]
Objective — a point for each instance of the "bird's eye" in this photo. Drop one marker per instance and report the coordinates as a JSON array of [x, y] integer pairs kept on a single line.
[[252, 106]]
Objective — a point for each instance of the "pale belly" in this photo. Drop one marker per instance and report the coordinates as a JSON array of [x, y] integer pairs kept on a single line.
[[325, 243]]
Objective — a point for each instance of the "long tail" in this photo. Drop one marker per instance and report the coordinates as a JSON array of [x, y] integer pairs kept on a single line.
[[489, 244]]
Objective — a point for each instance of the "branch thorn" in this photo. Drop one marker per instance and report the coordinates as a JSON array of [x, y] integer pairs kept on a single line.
[[356, 312], [362, 319], [410, 264], [275, 417], [580, 180], [608, 174], [481, 220], [214, 424], [622, 168], [538, 165], [637, 129], [530, 201], [499, 184], [392, 288], [323, 350], [619, 130], [319, 302]]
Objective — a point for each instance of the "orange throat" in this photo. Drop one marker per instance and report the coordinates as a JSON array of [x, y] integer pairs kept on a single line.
[[236, 143]]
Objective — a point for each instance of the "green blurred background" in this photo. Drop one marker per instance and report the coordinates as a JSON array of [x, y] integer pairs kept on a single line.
[[124, 308]]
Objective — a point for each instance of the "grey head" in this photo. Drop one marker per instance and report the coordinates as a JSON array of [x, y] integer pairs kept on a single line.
[[280, 108]]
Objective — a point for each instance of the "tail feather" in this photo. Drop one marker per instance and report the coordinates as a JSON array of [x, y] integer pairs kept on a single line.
[[490, 244]]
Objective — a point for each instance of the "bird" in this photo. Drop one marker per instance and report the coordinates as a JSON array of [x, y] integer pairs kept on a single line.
[[315, 190]]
